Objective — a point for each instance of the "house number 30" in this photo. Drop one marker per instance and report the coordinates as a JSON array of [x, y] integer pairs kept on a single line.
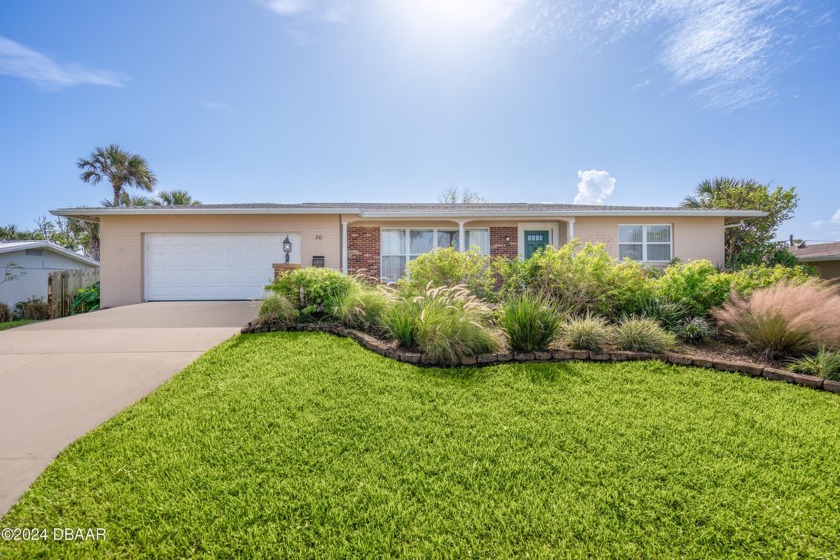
[[318, 237]]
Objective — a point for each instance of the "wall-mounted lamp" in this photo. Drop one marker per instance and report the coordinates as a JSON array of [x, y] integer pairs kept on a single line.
[[287, 247]]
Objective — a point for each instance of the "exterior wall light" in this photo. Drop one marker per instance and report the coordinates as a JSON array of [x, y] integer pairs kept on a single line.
[[287, 247]]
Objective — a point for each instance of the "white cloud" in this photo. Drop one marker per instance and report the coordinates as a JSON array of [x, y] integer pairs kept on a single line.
[[831, 225], [288, 7], [594, 187], [22, 62], [302, 15]]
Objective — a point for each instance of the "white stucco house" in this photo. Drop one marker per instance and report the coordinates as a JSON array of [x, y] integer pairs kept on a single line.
[[31, 263]]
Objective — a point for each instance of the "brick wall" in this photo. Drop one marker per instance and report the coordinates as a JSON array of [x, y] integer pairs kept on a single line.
[[283, 268], [363, 251], [504, 242]]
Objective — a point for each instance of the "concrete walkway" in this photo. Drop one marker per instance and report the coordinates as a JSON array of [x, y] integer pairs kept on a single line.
[[60, 379]]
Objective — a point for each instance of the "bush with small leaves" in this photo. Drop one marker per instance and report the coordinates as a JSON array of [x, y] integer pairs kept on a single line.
[[589, 332], [315, 292], [529, 323], [5, 313], [33, 309], [643, 334]]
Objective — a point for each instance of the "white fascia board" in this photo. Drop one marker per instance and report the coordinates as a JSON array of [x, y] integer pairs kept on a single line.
[[147, 211], [568, 214], [39, 244]]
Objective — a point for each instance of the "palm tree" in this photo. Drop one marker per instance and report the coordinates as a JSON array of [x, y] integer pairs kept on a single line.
[[122, 169], [128, 200], [175, 198]]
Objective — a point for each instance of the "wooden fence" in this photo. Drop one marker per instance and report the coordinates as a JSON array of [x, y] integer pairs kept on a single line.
[[62, 288]]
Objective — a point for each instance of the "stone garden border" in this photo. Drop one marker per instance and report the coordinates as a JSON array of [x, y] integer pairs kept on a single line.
[[391, 350]]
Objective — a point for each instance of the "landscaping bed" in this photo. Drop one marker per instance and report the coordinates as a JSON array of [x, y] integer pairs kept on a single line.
[[307, 445]]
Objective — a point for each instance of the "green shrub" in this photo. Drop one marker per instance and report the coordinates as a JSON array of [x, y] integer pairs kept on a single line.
[[669, 314], [276, 309], [825, 363], [364, 307], [785, 319], [5, 313], [448, 267], [529, 323], [589, 332], [87, 299], [33, 309], [316, 292], [444, 323], [751, 278], [696, 286], [695, 330], [643, 334], [578, 280]]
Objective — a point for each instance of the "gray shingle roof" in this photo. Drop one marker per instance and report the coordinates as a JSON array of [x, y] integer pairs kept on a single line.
[[814, 252]]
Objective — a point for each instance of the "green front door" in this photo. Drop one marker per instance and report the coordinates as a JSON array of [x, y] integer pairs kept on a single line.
[[535, 240]]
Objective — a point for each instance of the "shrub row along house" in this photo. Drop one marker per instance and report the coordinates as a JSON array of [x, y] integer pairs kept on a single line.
[[230, 251]]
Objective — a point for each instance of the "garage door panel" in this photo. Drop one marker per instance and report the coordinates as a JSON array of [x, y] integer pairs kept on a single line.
[[212, 266]]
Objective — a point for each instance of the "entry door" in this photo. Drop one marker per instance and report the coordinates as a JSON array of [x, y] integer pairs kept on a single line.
[[535, 240]]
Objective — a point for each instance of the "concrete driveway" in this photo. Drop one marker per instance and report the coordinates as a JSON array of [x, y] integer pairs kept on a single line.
[[60, 379]]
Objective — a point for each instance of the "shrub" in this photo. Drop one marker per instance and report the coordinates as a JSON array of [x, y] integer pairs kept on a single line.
[[444, 323], [33, 309], [315, 292], [695, 330], [277, 309], [669, 314], [87, 299], [696, 286], [529, 323], [578, 280], [751, 278], [364, 307], [448, 267], [587, 333], [5, 313], [825, 363], [785, 319], [643, 334]]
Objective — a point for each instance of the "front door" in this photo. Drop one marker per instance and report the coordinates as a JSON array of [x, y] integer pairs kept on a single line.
[[535, 240]]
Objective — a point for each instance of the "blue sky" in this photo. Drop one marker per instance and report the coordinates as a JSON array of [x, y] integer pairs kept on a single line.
[[383, 100]]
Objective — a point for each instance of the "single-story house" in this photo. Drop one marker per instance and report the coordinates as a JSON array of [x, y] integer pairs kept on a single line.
[[823, 256], [228, 251], [29, 264]]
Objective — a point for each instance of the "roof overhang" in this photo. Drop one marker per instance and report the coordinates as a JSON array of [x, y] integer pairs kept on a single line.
[[817, 258], [38, 244], [94, 214]]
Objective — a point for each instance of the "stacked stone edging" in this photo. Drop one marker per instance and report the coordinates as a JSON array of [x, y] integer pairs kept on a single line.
[[391, 350]]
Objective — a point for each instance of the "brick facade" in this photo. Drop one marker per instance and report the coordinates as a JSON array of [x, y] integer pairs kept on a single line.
[[283, 268], [504, 242], [363, 251]]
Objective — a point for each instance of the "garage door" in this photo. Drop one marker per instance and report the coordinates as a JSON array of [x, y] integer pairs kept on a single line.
[[212, 266]]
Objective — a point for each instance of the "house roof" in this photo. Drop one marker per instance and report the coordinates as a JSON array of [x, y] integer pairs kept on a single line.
[[819, 252], [14, 246], [411, 210]]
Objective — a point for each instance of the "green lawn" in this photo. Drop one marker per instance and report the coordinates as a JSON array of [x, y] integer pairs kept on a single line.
[[13, 324], [304, 444]]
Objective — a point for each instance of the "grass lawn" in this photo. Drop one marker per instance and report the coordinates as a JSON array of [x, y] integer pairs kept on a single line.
[[13, 324], [304, 444]]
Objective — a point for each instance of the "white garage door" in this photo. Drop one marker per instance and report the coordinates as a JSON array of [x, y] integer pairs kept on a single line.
[[187, 266]]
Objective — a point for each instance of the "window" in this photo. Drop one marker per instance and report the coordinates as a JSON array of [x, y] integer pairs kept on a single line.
[[647, 243], [398, 246]]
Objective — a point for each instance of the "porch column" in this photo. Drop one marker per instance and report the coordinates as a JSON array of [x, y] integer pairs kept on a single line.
[[344, 247], [461, 236], [571, 224]]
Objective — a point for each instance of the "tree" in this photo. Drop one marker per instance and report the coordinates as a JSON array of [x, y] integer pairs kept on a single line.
[[122, 169], [128, 200], [175, 198], [752, 242], [454, 195]]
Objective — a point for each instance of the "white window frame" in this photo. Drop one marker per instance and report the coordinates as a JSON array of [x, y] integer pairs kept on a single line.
[[645, 241], [434, 230]]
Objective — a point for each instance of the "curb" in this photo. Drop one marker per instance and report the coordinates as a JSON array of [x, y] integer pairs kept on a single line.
[[391, 350]]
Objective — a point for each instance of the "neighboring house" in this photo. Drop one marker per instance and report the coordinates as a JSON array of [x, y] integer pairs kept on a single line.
[[32, 262], [824, 256], [227, 251]]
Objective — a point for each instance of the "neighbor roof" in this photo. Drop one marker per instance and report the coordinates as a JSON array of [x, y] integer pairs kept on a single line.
[[819, 252], [14, 246], [411, 210]]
